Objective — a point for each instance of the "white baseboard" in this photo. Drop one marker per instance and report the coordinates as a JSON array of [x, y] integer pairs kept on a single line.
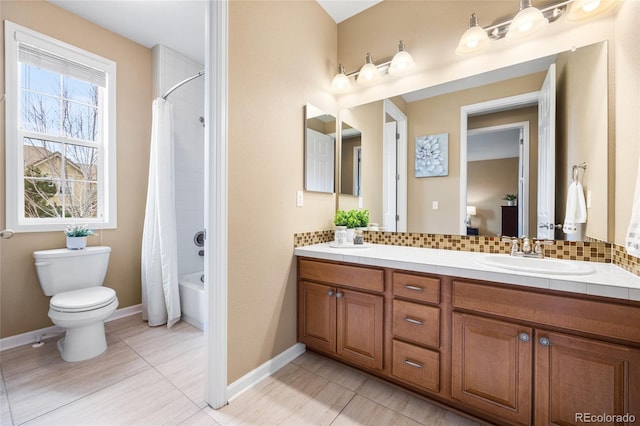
[[265, 370], [44, 333]]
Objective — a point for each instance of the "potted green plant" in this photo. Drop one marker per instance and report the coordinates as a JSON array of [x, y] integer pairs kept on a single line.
[[350, 220], [77, 236], [511, 199]]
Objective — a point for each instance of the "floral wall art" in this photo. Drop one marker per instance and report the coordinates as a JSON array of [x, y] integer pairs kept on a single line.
[[432, 155]]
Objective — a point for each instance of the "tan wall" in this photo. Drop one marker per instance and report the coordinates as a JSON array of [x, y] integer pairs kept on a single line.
[[582, 92], [367, 119], [488, 182], [627, 111], [441, 114], [281, 56], [23, 305]]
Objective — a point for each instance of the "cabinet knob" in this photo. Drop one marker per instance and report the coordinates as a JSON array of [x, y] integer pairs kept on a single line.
[[524, 337], [544, 341], [339, 295], [331, 293]]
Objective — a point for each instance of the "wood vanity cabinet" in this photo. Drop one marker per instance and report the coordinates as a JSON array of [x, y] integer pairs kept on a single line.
[[525, 374], [336, 319], [509, 354]]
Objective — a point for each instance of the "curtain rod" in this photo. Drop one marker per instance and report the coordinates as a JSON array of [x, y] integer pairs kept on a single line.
[[186, 80]]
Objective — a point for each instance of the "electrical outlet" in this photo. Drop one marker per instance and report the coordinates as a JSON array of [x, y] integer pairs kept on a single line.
[[434, 205], [300, 199]]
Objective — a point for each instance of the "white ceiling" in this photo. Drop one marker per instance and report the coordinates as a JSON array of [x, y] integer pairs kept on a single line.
[[177, 24]]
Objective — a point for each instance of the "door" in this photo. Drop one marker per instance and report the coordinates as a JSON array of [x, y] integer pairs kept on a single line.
[[547, 155], [492, 367], [317, 316], [576, 377], [359, 322], [319, 162]]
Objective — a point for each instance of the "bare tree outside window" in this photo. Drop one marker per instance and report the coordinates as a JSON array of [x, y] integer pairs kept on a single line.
[[60, 124]]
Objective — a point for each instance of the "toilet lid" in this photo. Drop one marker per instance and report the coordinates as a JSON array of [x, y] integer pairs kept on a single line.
[[85, 299]]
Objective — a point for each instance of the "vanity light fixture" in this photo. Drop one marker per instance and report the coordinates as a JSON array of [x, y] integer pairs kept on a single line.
[[528, 20], [370, 72], [584, 9], [474, 39]]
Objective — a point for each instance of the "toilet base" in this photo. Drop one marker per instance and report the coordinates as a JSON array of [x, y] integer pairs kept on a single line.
[[82, 343]]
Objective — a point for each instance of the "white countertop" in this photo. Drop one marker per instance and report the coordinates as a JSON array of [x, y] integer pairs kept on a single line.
[[607, 280]]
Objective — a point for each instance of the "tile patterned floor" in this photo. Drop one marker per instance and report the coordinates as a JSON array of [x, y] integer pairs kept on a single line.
[[155, 376]]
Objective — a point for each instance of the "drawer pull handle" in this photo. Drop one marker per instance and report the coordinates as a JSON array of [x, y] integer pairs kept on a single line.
[[413, 287], [413, 364], [413, 321]]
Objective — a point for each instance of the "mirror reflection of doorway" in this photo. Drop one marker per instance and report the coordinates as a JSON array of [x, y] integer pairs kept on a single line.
[[497, 165]]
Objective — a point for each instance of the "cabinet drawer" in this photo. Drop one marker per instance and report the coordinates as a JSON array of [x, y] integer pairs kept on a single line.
[[415, 365], [418, 323], [589, 316], [425, 289], [342, 275]]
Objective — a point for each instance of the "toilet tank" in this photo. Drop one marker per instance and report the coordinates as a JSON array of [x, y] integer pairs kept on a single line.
[[61, 270]]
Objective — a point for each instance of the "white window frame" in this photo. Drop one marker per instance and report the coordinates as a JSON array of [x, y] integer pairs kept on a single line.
[[107, 200]]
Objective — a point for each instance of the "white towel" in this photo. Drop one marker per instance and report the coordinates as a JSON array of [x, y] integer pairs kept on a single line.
[[632, 241], [576, 211]]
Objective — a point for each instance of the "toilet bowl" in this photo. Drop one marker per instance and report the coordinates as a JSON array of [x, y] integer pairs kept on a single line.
[[82, 314], [80, 304]]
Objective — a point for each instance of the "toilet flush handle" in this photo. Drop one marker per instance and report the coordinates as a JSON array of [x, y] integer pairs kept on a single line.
[[42, 263]]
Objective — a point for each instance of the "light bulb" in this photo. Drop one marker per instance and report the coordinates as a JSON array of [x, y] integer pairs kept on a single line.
[[401, 62], [369, 72], [528, 21], [341, 80], [585, 9], [474, 39]]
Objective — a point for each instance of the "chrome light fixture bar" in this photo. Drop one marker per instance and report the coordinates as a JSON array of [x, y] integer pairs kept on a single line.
[[401, 63]]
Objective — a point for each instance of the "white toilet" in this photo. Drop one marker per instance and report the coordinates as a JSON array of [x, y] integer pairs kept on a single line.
[[79, 304]]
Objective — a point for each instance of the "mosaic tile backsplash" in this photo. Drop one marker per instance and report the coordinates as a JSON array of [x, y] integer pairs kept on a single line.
[[589, 251]]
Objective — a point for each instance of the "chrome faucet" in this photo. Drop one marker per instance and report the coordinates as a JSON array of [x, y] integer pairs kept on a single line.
[[525, 249]]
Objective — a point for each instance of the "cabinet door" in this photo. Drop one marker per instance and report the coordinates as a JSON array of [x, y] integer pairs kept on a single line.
[[317, 316], [577, 377], [492, 367], [359, 326]]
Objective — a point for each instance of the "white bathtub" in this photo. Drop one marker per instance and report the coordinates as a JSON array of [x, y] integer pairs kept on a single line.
[[192, 300]]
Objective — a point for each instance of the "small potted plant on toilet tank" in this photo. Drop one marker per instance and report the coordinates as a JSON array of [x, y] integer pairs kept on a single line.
[[77, 236]]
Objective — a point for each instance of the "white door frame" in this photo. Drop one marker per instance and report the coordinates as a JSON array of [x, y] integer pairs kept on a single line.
[[494, 105], [523, 167], [216, 201], [401, 163]]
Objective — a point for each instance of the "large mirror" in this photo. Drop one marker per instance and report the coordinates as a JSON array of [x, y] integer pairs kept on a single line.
[[319, 150], [487, 129]]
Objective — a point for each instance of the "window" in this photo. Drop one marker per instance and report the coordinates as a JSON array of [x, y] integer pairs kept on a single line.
[[60, 140]]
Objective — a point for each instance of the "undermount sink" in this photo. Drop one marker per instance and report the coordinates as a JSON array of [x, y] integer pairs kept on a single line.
[[538, 266]]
